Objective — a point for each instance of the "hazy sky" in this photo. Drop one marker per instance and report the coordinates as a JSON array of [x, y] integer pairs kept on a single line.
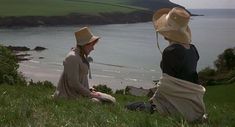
[[190, 4]]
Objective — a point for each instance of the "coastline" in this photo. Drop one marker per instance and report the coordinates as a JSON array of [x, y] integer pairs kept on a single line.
[[75, 19], [78, 19], [32, 70], [36, 73]]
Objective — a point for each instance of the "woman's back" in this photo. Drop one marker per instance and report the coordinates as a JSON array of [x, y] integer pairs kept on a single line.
[[180, 62]]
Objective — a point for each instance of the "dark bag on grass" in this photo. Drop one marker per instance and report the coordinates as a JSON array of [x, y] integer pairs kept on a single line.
[[140, 106]]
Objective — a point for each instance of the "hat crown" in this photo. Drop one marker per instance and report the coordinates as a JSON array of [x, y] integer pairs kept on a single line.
[[173, 24], [83, 36], [179, 16]]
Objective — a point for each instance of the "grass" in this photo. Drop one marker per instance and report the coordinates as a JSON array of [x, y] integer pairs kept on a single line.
[[220, 102], [62, 7], [33, 106]]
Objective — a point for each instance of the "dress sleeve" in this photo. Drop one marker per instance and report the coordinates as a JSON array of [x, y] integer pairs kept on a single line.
[[172, 62], [71, 67]]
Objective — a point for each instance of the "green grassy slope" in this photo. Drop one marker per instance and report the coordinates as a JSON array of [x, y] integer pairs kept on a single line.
[[32, 105], [220, 102], [62, 7]]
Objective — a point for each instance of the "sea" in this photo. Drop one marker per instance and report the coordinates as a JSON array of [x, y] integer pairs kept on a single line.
[[126, 55]]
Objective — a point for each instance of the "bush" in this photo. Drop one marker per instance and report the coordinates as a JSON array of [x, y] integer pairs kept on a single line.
[[121, 91], [207, 72], [47, 84], [103, 89], [224, 72], [8, 67], [226, 60], [231, 74]]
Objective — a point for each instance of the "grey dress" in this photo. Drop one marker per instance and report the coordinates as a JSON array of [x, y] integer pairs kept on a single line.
[[73, 81]]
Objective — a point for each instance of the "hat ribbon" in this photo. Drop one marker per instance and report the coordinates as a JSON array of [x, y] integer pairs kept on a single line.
[[158, 43]]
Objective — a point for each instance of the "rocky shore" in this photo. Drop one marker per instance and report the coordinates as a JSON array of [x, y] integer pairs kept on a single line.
[[21, 52]]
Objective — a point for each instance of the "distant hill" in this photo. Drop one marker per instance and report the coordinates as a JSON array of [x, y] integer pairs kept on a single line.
[[153, 5], [23, 13]]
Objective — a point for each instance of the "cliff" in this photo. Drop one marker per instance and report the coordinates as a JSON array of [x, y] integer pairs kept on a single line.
[[76, 18]]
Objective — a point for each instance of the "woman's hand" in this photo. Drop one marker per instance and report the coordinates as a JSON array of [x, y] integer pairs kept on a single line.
[[95, 94]]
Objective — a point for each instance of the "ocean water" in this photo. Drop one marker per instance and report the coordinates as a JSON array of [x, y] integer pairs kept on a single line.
[[126, 53]]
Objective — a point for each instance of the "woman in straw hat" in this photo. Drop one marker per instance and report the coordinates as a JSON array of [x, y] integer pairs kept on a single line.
[[178, 91], [73, 82]]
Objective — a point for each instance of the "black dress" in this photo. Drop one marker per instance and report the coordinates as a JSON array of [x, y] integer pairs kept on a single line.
[[179, 62]]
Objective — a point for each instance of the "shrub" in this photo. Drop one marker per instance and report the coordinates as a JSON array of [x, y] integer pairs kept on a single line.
[[8, 67], [103, 88], [121, 91], [47, 84], [231, 74], [224, 72], [207, 72], [226, 60]]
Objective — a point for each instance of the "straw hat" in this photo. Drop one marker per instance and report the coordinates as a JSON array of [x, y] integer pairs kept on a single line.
[[173, 24], [84, 36]]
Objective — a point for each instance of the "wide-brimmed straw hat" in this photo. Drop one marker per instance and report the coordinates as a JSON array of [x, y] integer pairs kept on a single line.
[[173, 24], [84, 36]]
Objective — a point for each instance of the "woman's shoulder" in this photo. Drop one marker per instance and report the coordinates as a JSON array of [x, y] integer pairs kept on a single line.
[[174, 51], [72, 56], [178, 48], [174, 48], [194, 49], [193, 46]]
